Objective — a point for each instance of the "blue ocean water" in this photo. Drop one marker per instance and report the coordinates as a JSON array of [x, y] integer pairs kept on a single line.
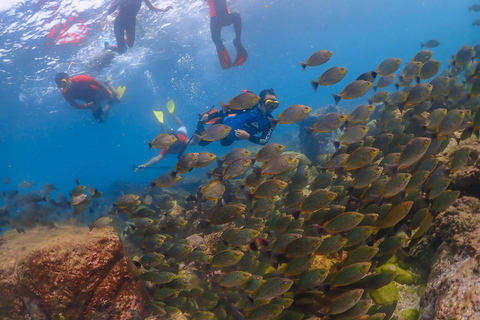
[[43, 139]]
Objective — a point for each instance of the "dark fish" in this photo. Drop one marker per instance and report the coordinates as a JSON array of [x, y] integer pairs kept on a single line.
[[329, 77], [388, 66], [353, 90], [368, 76], [244, 100], [316, 59], [430, 44], [423, 56], [6, 180]]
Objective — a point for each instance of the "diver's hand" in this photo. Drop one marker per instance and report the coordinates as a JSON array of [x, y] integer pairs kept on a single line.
[[242, 134], [140, 168], [204, 117]]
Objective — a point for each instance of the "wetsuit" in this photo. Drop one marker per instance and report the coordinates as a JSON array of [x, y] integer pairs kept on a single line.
[[87, 89], [251, 120], [220, 16], [177, 147], [125, 21]]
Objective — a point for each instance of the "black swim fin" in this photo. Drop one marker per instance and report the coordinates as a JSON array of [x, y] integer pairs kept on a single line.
[[241, 57], [224, 57]]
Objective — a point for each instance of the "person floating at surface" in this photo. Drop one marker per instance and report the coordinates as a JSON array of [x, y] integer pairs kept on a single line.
[[85, 88], [180, 133], [126, 20], [245, 124], [220, 16]]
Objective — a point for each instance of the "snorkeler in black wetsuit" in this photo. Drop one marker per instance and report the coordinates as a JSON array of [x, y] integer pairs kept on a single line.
[[220, 16], [126, 20]]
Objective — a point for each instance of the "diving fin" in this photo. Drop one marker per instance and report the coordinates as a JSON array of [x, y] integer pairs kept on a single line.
[[241, 57], [224, 57], [121, 91], [170, 106], [159, 115], [109, 78]]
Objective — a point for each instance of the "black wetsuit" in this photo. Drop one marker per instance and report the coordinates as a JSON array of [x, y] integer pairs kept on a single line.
[[125, 21], [220, 16]]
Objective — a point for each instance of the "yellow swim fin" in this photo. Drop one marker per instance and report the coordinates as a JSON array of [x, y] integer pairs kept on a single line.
[[109, 78], [121, 91], [159, 115], [170, 106]]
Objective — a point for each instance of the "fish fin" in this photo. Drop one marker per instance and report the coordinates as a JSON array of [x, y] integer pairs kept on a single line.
[[375, 88], [397, 86], [370, 101], [337, 98], [392, 168], [417, 80], [314, 85], [309, 131], [304, 65], [150, 145], [422, 45], [336, 144]]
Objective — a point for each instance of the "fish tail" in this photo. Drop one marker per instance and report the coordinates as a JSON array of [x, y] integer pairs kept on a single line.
[[397, 86], [150, 145], [375, 88], [422, 45], [304, 65], [392, 168], [370, 101], [314, 85], [337, 98]]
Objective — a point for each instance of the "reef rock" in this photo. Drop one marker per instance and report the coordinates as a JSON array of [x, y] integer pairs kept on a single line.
[[316, 144], [67, 273], [467, 179], [453, 287]]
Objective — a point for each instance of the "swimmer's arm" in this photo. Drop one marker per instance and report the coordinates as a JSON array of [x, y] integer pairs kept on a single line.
[[74, 103], [263, 139], [154, 160], [157, 9]]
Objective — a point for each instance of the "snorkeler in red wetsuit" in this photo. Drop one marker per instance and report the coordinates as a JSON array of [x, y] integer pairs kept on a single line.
[[91, 91], [220, 16], [177, 148], [126, 20]]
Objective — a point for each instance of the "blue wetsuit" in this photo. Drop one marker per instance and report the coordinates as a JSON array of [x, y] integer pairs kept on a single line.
[[252, 121]]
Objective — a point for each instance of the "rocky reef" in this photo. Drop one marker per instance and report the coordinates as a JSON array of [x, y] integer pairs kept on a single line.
[[67, 273]]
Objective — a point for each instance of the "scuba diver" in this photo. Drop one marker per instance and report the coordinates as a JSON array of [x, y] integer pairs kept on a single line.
[[180, 133], [85, 88], [245, 124], [126, 20], [220, 16]]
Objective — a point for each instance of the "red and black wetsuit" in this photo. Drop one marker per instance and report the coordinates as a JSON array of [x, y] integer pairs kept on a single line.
[[220, 16], [87, 89], [177, 147], [125, 21]]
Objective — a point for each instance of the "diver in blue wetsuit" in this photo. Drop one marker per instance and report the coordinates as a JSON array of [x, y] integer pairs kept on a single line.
[[245, 124], [220, 16]]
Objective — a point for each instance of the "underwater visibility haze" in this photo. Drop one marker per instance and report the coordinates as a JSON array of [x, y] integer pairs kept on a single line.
[[374, 170]]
